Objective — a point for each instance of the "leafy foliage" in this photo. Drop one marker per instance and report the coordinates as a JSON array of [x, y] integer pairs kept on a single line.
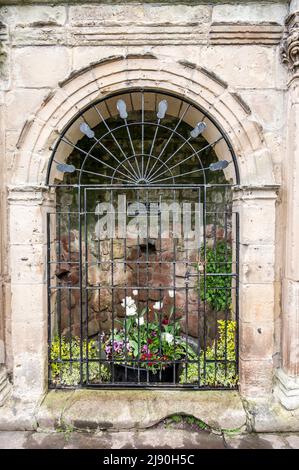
[[179, 419], [191, 420], [216, 373], [66, 372], [176, 418], [216, 291]]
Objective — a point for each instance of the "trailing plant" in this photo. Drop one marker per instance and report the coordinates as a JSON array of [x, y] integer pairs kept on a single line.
[[216, 290], [150, 345], [66, 372], [191, 420], [222, 349]]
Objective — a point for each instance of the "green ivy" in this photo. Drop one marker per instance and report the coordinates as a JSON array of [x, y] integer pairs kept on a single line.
[[211, 373], [218, 288], [64, 372], [176, 418]]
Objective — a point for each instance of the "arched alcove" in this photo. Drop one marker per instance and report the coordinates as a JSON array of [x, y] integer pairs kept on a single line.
[[254, 201], [144, 217]]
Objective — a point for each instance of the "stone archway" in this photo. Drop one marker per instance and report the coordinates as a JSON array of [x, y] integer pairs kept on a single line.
[[117, 73], [255, 200]]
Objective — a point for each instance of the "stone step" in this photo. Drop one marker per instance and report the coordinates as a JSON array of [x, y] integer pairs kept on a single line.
[[133, 409]]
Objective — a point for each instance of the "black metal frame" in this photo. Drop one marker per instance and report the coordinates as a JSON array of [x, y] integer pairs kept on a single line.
[[83, 287]]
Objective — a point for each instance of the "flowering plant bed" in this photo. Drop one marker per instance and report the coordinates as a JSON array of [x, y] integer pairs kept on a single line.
[[217, 365], [150, 346], [65, 368]]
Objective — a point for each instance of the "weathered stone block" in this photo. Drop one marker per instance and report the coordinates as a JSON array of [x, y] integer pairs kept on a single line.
[[256, 303], [138, 14], [250, 67], [30, 233], [256, 378], [116, 410], [30, 15], [267, 415], [267, 106], [28, 303], [256, 341], [257, 264], [18, 415], [24, 334], [28, 264], [29, 376], [20, 104], [257, 14], [83, 56], [257, 222], [45, 35], [40, 67]]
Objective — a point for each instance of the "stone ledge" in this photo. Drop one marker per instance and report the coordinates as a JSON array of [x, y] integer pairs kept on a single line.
[[16, 415], [269, 416], [133, 409]]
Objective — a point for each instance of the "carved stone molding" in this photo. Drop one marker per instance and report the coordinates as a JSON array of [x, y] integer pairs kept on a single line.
[[287, 390], [5, 386], [30, 195], [266, 33], [290, 42]]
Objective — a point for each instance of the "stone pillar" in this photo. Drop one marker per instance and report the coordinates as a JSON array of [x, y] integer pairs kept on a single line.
[[27, 251], [287, 388], [256, 207]]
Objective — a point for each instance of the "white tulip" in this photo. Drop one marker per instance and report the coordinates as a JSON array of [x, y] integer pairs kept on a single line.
[[168, 337], [130, 311], [158, 305], [171, 293], [135, 292], [128, 302], [140, 321]]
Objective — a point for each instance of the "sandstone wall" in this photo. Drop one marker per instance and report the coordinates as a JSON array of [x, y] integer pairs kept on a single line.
[[237, 44]]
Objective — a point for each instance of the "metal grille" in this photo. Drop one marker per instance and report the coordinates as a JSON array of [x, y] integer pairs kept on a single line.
[[142, 250]]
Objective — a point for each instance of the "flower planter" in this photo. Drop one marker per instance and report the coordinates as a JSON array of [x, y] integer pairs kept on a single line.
[[120, 371]]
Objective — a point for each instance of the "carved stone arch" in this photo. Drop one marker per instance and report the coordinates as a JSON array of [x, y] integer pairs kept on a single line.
[[119, 73]]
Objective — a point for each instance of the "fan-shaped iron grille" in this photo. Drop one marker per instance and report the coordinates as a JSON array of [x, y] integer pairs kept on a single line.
[[142, 137]]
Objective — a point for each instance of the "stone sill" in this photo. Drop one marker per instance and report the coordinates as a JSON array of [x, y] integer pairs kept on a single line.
[[135, 410], [116, 410]]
